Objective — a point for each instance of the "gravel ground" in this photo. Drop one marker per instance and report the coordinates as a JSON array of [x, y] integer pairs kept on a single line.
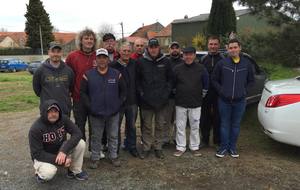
[[263, 164]]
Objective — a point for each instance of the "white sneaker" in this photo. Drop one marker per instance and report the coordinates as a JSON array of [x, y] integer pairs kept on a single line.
[[102, 155]]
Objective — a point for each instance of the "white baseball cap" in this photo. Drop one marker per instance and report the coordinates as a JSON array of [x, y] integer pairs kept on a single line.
[[101, 51]]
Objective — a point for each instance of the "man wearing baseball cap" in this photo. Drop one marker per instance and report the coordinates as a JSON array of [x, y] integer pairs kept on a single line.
[[50, 148], [154, 83], [175, 59], [103, 91], [109, 43], [191, 84], [54, 79]]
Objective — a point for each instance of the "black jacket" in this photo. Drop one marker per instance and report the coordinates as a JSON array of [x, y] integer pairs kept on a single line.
[[231, 80], [46, 139], [154, 81], [174, 62], [128, 72], [190, 81], [210, 61], [54, 83]]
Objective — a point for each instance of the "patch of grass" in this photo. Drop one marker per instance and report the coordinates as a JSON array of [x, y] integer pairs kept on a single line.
[[16, 93], [277, 72]]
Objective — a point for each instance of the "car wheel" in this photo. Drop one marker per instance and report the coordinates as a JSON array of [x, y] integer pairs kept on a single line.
[[14, 70]]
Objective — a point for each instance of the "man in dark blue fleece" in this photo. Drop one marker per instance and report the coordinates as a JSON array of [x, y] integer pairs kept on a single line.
[[231, 78], [54, 79], [49, 146]]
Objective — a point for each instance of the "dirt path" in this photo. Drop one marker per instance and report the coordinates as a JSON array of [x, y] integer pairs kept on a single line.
[[263, 164]]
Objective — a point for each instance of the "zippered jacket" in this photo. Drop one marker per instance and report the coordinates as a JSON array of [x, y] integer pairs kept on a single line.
[[231, 80]]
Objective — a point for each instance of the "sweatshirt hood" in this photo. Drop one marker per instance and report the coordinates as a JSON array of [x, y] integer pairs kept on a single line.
[[148, 57], [48, 65], [44, 110]]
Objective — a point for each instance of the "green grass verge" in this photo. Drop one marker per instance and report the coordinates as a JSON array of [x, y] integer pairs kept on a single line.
[[16, 92], [277, 72]]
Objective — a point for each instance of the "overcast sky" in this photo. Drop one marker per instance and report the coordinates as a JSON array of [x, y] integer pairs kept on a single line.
[[72, 16]]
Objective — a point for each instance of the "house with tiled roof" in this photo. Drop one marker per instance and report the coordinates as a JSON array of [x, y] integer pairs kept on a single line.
[[164, 36], [18, 39], [148, 31]]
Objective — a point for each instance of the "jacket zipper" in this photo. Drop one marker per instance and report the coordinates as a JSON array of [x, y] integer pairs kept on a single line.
[[233, 87]]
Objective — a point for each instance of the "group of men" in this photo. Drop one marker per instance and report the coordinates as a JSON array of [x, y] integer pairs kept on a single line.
[[104, 85]]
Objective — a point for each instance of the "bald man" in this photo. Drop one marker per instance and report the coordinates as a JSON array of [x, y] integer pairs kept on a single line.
[[139, 47]]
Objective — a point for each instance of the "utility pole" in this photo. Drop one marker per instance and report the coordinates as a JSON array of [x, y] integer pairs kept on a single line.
[[122, 31], [41, 39]]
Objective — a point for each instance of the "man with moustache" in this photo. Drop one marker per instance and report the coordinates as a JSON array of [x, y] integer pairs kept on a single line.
[[103, 91]]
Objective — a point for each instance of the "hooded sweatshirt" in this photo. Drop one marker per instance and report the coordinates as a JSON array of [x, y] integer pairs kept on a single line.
[[54, 83], [80, 63], [47, 139]]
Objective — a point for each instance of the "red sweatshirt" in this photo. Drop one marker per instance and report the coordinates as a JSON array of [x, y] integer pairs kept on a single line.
[[135, 56], [80, 63]]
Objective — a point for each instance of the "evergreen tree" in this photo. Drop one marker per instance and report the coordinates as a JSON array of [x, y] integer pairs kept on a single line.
[[37, 17], [222, 19]]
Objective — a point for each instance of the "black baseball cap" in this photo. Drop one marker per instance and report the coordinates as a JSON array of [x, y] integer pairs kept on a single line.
[[108, 36], [53, 45], [174, 43], [189, 50], [153, 42]]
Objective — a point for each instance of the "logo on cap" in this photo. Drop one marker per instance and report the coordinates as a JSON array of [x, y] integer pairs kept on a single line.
[[102, 51]]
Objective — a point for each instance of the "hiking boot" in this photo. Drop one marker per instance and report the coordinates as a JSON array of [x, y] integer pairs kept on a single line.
[[221, 153], [93, 164], [39, 180], [178, 153], [115, 162], [159, 154], [144, 154], [234, 154], [196, 153]]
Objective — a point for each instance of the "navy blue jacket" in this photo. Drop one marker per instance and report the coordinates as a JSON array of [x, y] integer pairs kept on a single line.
[[103, 94], [231, 80], [128, 72]]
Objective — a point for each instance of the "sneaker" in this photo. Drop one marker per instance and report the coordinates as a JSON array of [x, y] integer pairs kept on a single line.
[[234, 154], [93, 164], [81, 176], [178, 153], [115, 162], [70, 174], [102, 155], [159, 154], [221, 153], [39, 180], [144, 154], [196, 153]]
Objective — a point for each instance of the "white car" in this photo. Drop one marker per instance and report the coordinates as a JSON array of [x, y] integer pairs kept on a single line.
[[279, 110]]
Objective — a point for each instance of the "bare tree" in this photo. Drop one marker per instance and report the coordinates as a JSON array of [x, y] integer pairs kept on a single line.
[[105, 28]]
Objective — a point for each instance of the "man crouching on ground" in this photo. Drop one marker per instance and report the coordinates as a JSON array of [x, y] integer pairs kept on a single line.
[[50, 148]]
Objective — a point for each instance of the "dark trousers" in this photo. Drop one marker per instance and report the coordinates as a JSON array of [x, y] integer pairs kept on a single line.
[[130, 113], [81, 116], [210, 119]]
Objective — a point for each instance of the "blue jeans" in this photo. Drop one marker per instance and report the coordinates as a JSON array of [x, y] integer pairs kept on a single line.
[[130, 113], [231, 114]]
